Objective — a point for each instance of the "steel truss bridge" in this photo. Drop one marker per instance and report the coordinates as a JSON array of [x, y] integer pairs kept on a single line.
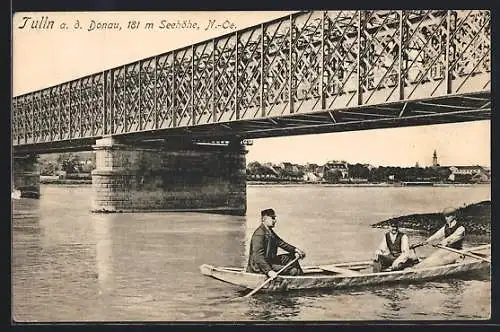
[[309, 72]]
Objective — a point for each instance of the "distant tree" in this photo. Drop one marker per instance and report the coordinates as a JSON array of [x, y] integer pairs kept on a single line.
[[359, 171], [332, 176], [87, 167], [254, 168], [432, 173], [300, 173], [379, 174], [443, 173], [48, 167], [254, 165], [463, 178], [391, 170], [398, 173], [410, 173], [70, 162], [287, 174]]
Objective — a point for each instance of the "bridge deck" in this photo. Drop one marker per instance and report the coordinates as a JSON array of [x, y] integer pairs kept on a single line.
[[310, 72]]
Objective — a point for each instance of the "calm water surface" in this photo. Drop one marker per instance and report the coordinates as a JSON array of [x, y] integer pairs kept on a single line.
[[72, 265]]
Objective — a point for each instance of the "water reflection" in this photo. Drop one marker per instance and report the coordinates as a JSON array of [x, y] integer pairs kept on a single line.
[[395, 299], [273, 307], [453, 292], [147, 263], [70, 264], [26, 223], [26, 250], [104, 252]]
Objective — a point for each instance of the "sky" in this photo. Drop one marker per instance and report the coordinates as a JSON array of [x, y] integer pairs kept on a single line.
[[45, 57]]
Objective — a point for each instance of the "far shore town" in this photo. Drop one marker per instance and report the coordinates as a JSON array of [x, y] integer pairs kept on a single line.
[[345, 173], [77, 167]]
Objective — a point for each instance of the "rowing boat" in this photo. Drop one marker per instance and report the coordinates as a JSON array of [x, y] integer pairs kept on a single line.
[[345, 275]]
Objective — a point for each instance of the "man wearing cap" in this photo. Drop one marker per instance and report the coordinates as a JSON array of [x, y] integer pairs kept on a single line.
[[264, 246], [451, 234], [394, 251]]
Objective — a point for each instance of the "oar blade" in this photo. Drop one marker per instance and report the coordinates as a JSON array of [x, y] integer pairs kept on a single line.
[[269, 279]]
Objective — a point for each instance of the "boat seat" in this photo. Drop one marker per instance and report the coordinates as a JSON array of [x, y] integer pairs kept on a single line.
[[339, 270]]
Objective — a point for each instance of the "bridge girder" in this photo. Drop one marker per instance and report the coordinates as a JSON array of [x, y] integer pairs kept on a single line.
[[309, 72]]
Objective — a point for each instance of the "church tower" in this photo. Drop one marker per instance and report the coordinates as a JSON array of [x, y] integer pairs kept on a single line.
[[435, 159]]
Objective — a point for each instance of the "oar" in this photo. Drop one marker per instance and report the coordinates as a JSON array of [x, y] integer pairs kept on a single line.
[[416, 245], [412, 247], [465, 253], [269, 279]]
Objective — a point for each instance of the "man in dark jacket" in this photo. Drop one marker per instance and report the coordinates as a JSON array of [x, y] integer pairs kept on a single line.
[[264, 246]]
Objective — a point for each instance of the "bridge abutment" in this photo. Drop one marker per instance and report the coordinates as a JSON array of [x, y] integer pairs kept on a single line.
[[133, 177], [25, 176]]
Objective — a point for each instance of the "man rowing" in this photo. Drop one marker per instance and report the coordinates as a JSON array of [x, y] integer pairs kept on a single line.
[[451, 234], [394, 251], [264, 246]]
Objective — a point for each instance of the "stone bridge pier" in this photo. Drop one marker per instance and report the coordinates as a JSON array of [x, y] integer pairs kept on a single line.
[[25, 181], [133, 177]]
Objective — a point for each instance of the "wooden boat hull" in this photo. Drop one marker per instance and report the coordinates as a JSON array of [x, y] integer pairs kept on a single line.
[[319, 278]]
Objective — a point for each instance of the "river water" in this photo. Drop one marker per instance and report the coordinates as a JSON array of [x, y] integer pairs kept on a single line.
[[71, 265]]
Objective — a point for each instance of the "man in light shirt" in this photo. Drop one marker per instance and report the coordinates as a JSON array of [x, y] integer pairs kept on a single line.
[[451, 234], [394, 251]]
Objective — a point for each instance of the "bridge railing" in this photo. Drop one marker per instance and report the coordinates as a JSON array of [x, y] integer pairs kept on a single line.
[[305, 62]]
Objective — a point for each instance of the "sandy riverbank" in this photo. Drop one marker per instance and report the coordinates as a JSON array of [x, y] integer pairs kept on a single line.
[[476, 219]]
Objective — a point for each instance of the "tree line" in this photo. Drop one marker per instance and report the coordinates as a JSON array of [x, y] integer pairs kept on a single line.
[[78, 163], [67, 162], [355, 171]]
